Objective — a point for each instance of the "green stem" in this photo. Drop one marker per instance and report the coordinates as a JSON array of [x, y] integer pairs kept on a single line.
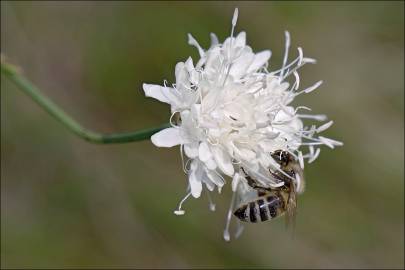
[[13, 74]]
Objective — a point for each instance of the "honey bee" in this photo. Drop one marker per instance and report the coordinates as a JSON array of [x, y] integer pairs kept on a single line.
[[274, 202]]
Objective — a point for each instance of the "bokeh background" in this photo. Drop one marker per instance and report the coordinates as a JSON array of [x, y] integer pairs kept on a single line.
[[68, 203]]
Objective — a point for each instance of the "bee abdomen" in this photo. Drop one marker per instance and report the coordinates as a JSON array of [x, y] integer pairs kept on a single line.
[[261, 209]]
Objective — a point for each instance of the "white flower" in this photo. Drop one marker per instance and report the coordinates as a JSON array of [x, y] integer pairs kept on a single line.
[[234, 113]]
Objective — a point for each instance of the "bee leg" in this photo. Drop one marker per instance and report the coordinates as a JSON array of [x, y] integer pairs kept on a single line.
[[254, 184], [251, 182]]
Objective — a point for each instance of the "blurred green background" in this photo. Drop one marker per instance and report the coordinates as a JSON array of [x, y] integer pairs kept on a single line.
[[68, 203]]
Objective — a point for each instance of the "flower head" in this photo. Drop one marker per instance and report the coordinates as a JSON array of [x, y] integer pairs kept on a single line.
[[232, 113]]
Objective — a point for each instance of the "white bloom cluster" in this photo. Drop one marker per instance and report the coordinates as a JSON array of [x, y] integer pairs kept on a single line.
[[234, 113]]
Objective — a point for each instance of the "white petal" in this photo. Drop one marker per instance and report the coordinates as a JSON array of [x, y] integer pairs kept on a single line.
[[193, 42], [214, 39], [264, 160], [195, 180], [223, 160], [194, 77], [204, 152], [286, 114], [235, 181], [211, 164], [163, 94], [241, 65], [189, 64], [168, 137], [244, 153], [215, 178], [260, 60], [210, 185], [213, 58], [182, 76], [240, 40], [178, 70], [191, 150]]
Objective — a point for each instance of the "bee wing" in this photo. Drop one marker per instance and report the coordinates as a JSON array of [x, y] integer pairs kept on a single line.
[[291, 208]]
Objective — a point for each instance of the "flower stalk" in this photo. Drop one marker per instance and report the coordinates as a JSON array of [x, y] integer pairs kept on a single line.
[[13, 73]]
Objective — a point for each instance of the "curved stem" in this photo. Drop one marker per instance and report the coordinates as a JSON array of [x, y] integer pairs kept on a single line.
[[13, 74]]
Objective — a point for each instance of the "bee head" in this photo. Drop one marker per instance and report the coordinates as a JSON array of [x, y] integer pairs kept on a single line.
[[281, 157]]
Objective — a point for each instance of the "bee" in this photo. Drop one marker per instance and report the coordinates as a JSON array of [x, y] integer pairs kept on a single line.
[[274, 202]]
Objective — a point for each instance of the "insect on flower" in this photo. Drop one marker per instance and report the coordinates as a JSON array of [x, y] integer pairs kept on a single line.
[[232, 117]]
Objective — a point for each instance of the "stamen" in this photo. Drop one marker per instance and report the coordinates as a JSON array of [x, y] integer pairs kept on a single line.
[[329, 142], [302, 107], [310, 143], [318, 117], [235, 161], [301, 159], [309, 89], [301, 56], [324, 127], [201, 99], [187, 165], [212, 143], [303, 133], [171, 119], [315, 156], [211, 205], [287, 47], [310, 138], [308, 60], [294, 69], [179, 211], [297, 80], [183, 165], [227, 236], [311, 151], [234, 19], [288, 66], [312, 88], [299, 183], [220, 176]]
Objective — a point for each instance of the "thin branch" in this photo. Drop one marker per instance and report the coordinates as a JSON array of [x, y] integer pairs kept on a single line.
[[13, 74]]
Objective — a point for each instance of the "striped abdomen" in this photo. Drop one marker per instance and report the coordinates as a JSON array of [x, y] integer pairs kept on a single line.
[[263, 208]]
